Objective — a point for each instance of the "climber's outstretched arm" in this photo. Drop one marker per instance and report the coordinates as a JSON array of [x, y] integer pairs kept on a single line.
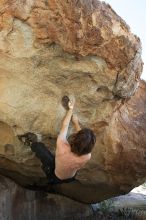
[[66, 120]]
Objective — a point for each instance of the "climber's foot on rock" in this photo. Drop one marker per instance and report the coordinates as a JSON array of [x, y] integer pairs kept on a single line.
[[28, 138]]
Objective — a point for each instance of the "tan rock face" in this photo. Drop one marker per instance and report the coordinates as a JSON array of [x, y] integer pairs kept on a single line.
[[126, 140], [83, 48]]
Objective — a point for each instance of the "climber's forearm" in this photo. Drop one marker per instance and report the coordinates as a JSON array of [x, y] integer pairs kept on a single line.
[[77, 126], [67, 118], [65, 123], [75, 122]]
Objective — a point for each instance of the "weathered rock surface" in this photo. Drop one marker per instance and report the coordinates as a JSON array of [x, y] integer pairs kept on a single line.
[[21, 204], [83, 48]]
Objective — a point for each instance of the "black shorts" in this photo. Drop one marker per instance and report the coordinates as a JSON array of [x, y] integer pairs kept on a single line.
[[48, 163]]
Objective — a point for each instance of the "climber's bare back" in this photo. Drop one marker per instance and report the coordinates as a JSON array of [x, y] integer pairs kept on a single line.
[[66, 162]]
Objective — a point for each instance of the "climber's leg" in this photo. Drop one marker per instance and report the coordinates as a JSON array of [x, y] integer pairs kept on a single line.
[[46, 157], [42, 152]]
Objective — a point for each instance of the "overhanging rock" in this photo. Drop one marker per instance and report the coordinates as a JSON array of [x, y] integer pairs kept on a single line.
[[83, 48]]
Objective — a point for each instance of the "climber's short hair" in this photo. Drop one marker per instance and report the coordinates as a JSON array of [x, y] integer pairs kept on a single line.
[[82, 142]]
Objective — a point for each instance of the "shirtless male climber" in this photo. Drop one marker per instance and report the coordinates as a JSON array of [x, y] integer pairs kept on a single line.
[[71, 154]]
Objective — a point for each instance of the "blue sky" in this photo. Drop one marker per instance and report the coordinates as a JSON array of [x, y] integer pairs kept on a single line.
[[134, 13]]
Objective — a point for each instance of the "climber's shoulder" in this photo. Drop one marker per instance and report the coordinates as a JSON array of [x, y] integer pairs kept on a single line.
[[61, 140]]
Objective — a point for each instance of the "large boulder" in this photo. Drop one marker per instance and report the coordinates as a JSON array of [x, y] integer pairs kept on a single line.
[[49, 49]]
